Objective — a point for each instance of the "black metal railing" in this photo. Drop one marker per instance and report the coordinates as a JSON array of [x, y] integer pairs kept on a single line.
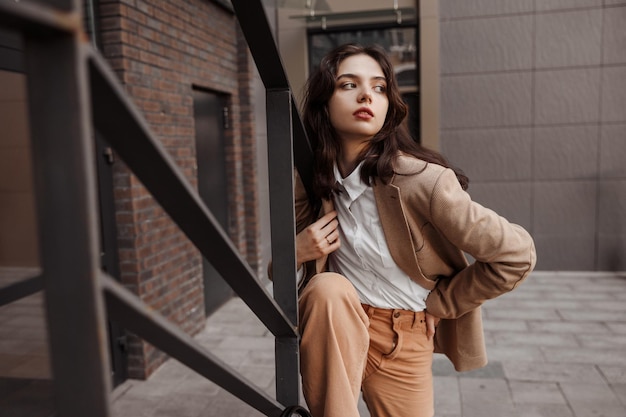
[[64, 73]]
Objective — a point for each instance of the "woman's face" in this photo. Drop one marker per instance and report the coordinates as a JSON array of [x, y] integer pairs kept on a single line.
[[358, 106]]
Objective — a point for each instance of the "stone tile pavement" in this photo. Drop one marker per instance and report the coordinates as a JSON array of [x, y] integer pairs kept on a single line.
[[557, 348]]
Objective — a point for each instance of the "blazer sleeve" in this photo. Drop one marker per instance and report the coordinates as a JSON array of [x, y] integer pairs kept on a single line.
[[303, 215], [303, 210], [504, 253]]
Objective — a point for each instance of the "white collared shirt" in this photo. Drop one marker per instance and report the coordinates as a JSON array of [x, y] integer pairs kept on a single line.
[[364, 257]]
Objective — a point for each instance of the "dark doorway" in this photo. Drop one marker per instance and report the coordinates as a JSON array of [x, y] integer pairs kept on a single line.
[[211, 119]]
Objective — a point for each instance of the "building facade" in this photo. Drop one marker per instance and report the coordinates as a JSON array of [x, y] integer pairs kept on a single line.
[[534, 108], [528, 98]]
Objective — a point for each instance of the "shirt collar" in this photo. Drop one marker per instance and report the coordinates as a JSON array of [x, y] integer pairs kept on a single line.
[[351, 184]]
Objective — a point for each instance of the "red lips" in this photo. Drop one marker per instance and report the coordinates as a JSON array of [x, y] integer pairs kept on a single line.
[[364, 113]]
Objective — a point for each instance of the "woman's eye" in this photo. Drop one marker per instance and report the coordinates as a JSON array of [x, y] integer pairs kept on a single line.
[[348, 85], [380, 88]]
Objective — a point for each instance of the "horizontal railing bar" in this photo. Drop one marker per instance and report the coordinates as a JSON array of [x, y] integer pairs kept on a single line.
[[132, 313], [132, 139], [20, 289], [38, 19]]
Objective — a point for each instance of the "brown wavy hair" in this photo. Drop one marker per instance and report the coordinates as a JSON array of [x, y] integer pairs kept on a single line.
[[383, 148]]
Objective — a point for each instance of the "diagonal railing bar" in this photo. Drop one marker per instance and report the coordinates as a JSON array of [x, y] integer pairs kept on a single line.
[[127, 308], [38, 19], [132, 139], [258, 33], [20, 289]]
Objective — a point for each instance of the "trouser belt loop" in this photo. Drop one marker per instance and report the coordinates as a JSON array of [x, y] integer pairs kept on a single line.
[[418, 318]]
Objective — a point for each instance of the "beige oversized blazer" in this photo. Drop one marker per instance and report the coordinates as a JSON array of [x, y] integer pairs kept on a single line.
[[429, 222]]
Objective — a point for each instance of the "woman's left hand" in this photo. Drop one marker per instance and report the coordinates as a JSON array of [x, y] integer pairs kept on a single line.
[[431, 324]]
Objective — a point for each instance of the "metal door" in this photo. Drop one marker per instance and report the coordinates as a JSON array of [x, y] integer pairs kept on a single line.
[[211, 118]]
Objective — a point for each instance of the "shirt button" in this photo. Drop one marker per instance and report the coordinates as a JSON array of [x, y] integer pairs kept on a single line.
[[396, 314]]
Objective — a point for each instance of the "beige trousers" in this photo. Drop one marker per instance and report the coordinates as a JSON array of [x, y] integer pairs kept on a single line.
[[347, 347]]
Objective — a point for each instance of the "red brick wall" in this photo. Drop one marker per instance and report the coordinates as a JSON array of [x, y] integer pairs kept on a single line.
[[160, 49]]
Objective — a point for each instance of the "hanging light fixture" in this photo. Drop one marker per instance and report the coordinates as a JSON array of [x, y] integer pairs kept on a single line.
[[318, 11]]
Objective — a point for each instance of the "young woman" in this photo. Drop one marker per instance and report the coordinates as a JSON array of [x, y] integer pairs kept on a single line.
[[383, 260]]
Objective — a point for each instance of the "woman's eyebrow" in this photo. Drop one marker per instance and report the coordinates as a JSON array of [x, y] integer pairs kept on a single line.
[[348, 75], [339, 77]]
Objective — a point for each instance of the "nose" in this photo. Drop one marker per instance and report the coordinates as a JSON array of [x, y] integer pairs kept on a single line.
[[365, 96]]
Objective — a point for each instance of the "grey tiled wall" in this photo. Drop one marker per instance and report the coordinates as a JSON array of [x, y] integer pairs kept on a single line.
[[533, 108]]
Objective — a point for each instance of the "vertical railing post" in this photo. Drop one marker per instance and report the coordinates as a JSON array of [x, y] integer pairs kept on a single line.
[[280, 152], [282, 118], [65, 184]]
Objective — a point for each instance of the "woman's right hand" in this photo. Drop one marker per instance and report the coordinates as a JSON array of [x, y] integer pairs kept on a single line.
[[431, 324], [318, 239]]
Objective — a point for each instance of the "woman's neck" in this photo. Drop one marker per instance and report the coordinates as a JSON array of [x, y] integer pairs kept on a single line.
[[349, 159], [350, 156]]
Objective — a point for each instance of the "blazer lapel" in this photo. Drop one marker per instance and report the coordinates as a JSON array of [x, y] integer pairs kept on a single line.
[[397, 232]]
